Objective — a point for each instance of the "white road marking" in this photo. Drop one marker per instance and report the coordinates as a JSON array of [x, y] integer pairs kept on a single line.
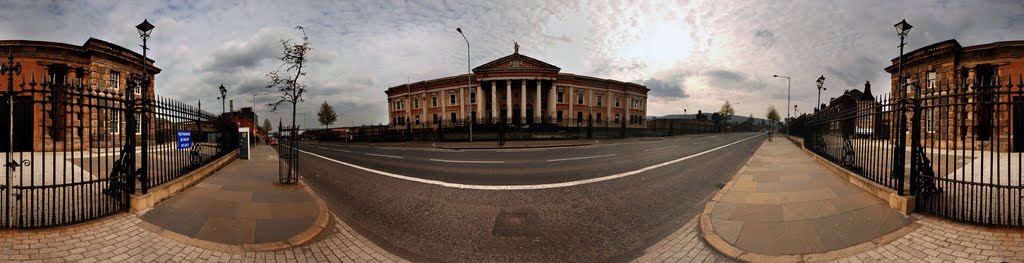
[[661, 148], [519, 150], [526, 187], [581, 158], [340, 150], [389, 156], [464, 161]]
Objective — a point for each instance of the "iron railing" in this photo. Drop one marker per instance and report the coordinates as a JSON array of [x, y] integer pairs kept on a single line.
[[74, 152], [443, 130], [961, 152]]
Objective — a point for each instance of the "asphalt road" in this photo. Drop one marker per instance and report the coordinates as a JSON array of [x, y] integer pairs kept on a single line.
[[611, 219]]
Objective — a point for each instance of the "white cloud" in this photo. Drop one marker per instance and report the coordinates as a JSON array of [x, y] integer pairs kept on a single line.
[[709, 51]]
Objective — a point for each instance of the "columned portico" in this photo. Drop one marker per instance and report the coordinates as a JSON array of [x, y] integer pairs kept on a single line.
[[537, 109], [522, 102]]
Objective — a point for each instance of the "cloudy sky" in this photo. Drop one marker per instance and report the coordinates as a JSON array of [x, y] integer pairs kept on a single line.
[[691, 54]]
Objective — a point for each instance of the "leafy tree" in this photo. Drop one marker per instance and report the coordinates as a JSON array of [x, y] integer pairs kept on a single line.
[[267, 127], [726, 112], [326, 116], [773, 115], [293, 61]]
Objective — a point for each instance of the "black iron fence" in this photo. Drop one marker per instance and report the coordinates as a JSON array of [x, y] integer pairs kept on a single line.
[[958, 147], [565, 129], [74, 151]]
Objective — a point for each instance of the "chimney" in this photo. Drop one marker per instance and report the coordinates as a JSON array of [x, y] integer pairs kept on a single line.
[[231, 105]]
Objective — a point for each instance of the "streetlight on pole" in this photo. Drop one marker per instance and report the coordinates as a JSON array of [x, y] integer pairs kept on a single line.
[[222, 98], [469, 81], [788, 93], [145, 29], [902, 28], [821, 81]]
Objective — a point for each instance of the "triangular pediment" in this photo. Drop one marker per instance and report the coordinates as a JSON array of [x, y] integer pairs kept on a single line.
[[516, 62]]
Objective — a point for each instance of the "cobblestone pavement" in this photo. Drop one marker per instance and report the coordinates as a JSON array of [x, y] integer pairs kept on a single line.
[[942, 240], [120, 238], [683, 245]]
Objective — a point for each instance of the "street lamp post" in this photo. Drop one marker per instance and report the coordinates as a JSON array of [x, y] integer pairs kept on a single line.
[[145, 29], [821, 81], [788, 94], [469, 81], [902, 28], [222, 98]]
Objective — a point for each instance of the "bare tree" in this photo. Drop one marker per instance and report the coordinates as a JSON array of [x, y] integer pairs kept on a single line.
[[773, 115], [287, 82]]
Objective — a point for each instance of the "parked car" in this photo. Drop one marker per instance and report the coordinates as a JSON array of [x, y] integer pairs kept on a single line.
[[273, 142]]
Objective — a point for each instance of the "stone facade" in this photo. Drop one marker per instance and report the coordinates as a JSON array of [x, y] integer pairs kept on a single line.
[[521, 89], [75, 121], [940, 67]]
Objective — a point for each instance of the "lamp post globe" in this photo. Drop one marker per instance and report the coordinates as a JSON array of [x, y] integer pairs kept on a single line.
[[223, 97], [821, 82]]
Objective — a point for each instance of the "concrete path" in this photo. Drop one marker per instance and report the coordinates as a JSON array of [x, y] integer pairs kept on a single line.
[[784, 203], [242, 207]]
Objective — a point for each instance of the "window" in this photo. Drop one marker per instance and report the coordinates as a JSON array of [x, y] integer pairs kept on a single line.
[[599, 116], [433, 101], [929, 120], [617, 100], [579, 98], [138, 124], [435, 118], [417, 119], [115, 122], [451, 99], [559, 116], [579, 116], [616, 118], [115, 80], [560, 100], [453, 117], [599, 98], [137, 90], [931, 80], [416, 103], [472, 97]]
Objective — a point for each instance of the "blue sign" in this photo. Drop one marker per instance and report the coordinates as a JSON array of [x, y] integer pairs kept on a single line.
[[184, 139]]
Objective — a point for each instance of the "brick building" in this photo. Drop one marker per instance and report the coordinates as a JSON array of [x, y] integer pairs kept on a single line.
[[521, 89], [86, 121], [245, 117], [951, 114]]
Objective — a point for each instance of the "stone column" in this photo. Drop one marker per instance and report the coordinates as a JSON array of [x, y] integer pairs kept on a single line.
[[479, 94], [570, 96], [522, 102], [537, 109], [494, 101], [625, 99], [608, 104], [590, 104], [462, 103], [508, 100], [552, 107]]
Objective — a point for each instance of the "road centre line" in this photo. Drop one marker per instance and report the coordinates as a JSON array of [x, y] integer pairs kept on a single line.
[[661, 148], [526, 187], [381, 155], [581, 158], [464, 161], [340, 150]]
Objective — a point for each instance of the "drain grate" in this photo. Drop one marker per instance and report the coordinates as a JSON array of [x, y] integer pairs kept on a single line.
[[516, 223], [720, 185]]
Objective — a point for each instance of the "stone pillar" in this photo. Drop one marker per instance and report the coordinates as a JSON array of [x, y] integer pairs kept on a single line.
[[570, 95], [552, 107], [608, 104], [423, 105], [537, 109], [494, 102], [625, 99], [522, 102], [462, 103], [508, 100], [590, 104], [479, 101]]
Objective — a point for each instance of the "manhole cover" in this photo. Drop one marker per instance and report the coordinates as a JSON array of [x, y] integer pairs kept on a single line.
[[516, 223]]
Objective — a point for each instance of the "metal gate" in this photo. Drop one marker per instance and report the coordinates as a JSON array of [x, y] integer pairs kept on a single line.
[[63, 161]]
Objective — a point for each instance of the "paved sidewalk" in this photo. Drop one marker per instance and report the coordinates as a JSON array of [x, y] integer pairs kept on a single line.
[[243, 207], [785, 204]]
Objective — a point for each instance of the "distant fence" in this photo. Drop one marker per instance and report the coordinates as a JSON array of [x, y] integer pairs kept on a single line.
[[566, 129]]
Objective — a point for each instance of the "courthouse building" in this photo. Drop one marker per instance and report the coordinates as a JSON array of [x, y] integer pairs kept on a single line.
[[50, 115], [520, 90], [946, 116]]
